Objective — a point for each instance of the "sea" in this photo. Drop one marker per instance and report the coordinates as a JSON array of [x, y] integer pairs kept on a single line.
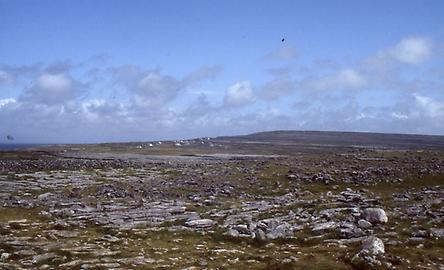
[[18, 146]]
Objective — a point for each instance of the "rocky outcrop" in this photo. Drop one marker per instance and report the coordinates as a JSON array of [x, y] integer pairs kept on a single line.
[[375, 215], [373, 245]]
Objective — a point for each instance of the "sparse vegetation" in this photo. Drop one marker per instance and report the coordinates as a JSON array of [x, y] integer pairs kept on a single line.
[[105, 207]]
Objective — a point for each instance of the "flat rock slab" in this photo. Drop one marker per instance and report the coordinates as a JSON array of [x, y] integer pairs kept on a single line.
[[200, 223]]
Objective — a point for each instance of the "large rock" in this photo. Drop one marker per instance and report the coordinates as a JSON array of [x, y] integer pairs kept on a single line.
[[200, 223], [18, 224], [325, 227], [353, 232], [260, 235], [283, 230], [242, 228], [5, 256], [233, 233], [45, 196], [363, 260], [60, 225], [370, 255], [38, 259], [437, 233], [364, 224], [373, 245], [374, 215]]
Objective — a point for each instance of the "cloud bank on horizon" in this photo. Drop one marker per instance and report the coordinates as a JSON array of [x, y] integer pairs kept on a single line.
[[154, 80]]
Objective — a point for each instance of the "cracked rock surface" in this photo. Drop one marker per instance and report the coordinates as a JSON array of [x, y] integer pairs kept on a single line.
[[228, 208]]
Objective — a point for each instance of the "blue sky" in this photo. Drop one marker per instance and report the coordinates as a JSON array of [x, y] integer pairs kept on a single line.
[[94, 71]]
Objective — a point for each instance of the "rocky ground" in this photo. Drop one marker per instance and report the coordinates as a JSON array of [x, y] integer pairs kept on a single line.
[[341, 208]]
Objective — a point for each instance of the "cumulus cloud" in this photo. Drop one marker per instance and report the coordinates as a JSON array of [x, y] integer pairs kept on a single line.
[[155, 89], [201, 74], [283, 53], [410, 50], [430, 106], [239, 94], [406, 116], [200, 107], [280, 85], [52, 89], [151, 89], [59, 102], [6, 101], [16, 74], [5, 77], [345, 79], [54, 82], [104, 110], [413, 50], [148, 89]]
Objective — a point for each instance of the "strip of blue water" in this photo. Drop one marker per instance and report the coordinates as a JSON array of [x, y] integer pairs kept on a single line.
[[17, 146]]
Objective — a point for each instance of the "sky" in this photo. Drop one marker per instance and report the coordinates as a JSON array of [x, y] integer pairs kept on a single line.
[[106, 71]]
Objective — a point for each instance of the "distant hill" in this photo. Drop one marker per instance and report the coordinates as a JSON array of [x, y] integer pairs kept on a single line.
[[332, 138]]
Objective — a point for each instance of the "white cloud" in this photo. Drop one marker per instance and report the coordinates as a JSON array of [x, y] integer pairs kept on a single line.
[[204, 73], [51, 89], [147, 89], [281, 84], [54, 82], [146, 104], [100, 109], [399, 115], [410, 50], [155, 89], [200, 107], [239, 94], [343, 79], [432, 107], [6, 101], [5, 77], [349, 78]]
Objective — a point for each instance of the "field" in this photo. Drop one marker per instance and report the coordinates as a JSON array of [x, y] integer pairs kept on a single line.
[[273, 200]]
